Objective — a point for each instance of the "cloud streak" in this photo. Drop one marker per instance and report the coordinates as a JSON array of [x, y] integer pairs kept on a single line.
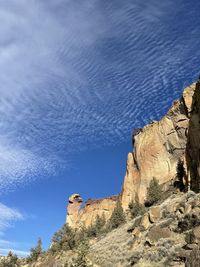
[[7, 217], [76, 75]]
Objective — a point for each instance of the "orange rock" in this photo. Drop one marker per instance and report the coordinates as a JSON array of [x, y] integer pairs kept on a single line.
[[157, 149], [86, 216]]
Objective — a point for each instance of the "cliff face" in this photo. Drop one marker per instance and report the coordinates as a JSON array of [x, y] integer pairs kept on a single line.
[[193, 142], [78, 216], [157, 149]]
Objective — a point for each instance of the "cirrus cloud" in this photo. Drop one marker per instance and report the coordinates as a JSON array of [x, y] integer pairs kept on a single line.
[[80, 74]]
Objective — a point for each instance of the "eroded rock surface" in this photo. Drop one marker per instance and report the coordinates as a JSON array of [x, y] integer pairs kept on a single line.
[[86, 216], [193, 142], [158, 147], [74, 205]]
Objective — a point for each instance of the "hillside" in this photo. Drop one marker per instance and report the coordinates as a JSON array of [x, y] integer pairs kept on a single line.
[[167, 234]]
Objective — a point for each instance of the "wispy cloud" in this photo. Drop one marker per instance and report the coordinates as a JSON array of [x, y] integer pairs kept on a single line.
[[79, 74], [9, 216], [6, 246]]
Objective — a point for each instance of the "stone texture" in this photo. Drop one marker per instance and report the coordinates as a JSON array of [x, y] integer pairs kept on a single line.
[[145, 223], [136, 232], [96, 207], [75, 202], [154, 214], [86, 216], [196, 232], [157, 232], [157, 149], [193, 143]]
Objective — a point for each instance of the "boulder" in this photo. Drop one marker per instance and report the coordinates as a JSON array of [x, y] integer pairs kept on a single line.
[[196, 232], [154, 214], [157, 232], [145, 223]]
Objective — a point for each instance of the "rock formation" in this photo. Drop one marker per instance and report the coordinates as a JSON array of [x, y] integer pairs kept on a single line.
[[193, 141], [73, 208], [165, 235], [157, 149], [78, 216]]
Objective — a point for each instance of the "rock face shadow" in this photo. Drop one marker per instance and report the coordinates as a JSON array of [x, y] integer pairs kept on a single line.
[[193, 142]]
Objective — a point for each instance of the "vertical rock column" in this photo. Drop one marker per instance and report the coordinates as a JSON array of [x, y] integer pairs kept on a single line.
[[73, 208]]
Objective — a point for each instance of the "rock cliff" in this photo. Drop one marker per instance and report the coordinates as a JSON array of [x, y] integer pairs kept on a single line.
[[78, 216], [167, 234], [193, 141], [157, 149]]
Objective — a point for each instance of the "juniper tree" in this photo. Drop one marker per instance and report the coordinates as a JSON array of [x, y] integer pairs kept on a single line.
[[64, 239], [35, 252], [118, 217], [154, 192], [136, 208]]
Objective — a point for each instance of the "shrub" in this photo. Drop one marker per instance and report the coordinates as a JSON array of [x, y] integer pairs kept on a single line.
[[118, 217], [179, 176], [135, 257], [35, 252], [154, 192], [188, 222], [64, 239], [194, 258], [81, 259], [190, 237], [98, 227], [10, 261], [136, 209]]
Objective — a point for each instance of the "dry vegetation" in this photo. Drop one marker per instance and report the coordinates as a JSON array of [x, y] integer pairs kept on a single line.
[[163, 235]]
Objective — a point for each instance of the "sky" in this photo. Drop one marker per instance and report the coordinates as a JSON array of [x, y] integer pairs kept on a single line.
[[76, 77]]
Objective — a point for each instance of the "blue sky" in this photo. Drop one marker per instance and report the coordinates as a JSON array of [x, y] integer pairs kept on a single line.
[[76, 78]]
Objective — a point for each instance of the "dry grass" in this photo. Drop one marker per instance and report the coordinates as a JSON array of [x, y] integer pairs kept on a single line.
[[145, 263], [114, 249]]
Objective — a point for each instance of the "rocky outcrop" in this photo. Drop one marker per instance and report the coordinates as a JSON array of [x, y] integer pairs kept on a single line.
[[165, 235], [74, 205], [86, 216], [158, 147], [193, 142]]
